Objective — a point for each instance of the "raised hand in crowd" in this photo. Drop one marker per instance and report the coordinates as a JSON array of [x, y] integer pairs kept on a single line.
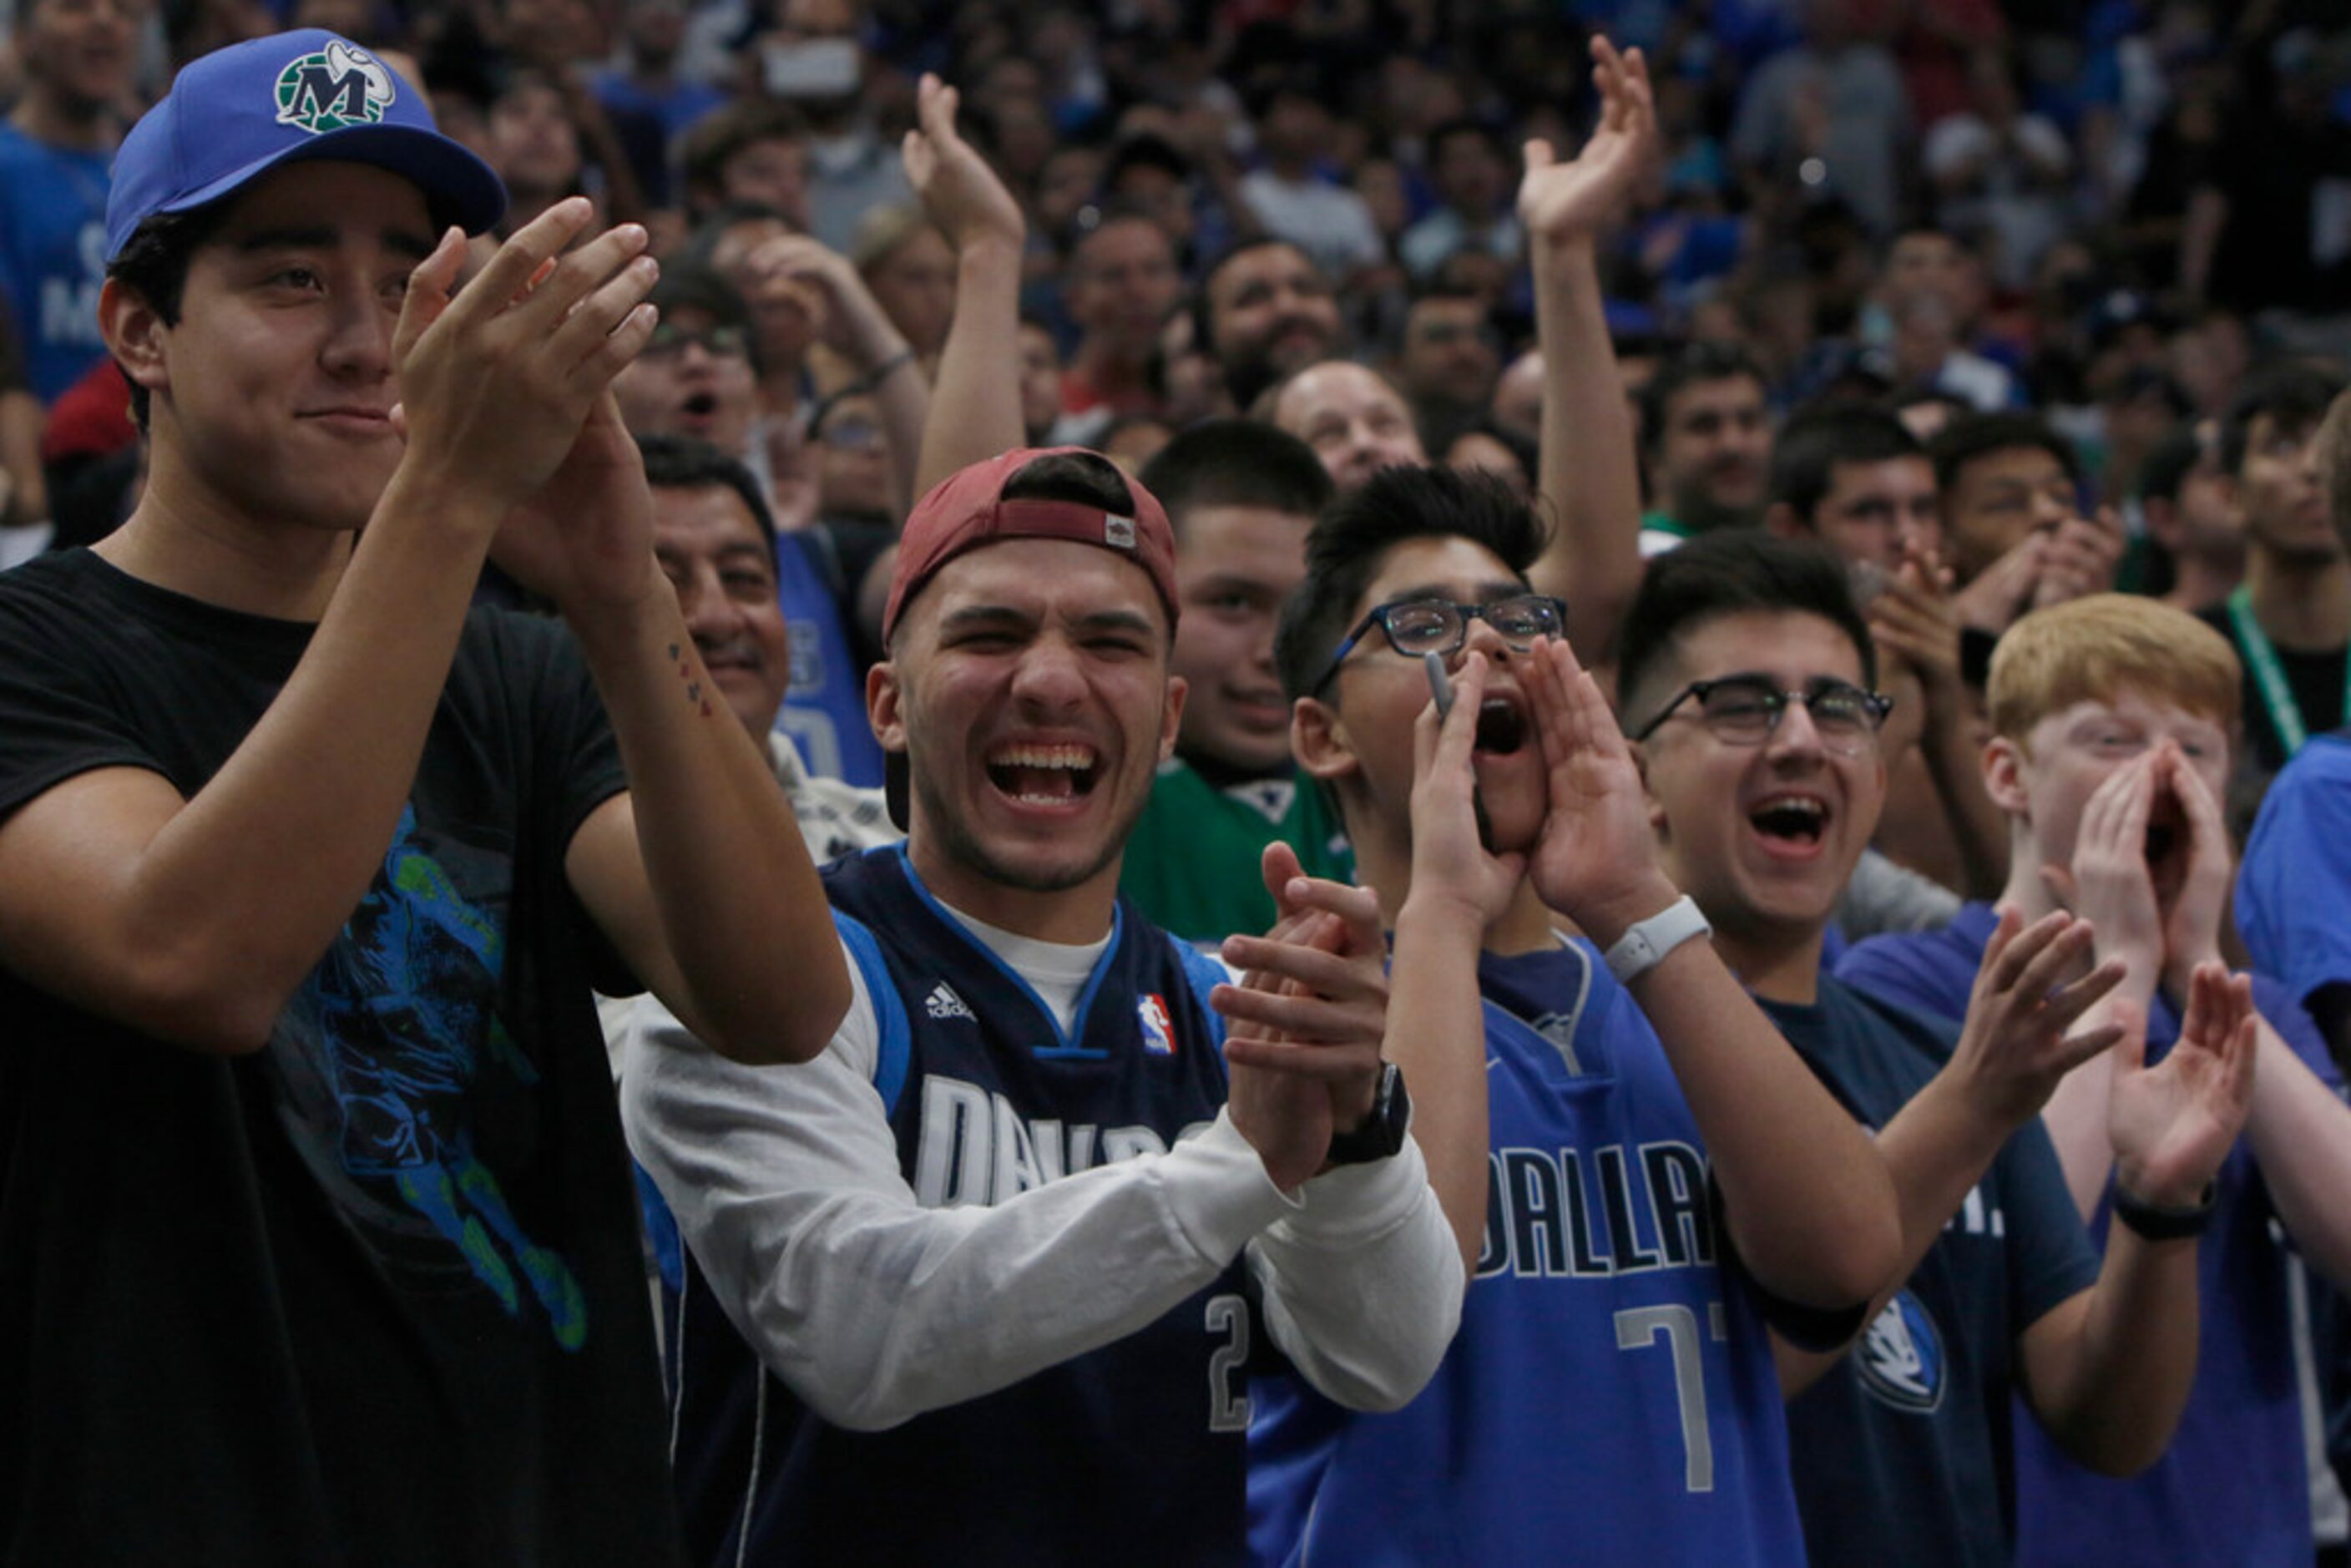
[[978, 396], [854, 325], [2083, 555], [1589, 463]]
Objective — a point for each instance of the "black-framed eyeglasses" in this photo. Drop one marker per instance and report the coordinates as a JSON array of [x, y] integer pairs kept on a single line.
[[719, 342], [1745, 710], [1415, 627]]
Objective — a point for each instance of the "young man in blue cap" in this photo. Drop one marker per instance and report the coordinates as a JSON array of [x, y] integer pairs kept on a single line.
[[315, 1218]]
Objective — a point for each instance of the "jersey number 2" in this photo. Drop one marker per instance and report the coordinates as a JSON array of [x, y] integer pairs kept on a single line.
[[1639, 1327], [1228, 1400]]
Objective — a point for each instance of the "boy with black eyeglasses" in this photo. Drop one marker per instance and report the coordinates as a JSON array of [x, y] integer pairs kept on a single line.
[[1664, 1176], [1749, 672]]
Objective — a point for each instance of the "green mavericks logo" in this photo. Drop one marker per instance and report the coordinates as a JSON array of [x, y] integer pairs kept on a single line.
[[339, 87]]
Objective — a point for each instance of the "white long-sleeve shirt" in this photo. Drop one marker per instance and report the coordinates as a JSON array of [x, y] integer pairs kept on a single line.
[[785, 1182]]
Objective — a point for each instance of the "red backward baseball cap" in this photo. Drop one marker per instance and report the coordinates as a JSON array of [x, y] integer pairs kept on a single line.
[[967, 509]]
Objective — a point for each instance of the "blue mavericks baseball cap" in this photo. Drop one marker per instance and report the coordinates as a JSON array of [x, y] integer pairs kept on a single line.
[[241, 111]]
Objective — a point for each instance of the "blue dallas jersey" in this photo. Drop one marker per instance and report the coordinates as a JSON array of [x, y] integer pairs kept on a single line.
[[1133, 1453], [1610, 1396]]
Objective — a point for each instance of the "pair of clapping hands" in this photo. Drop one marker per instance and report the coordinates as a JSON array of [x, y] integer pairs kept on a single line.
[[2170, 1125]]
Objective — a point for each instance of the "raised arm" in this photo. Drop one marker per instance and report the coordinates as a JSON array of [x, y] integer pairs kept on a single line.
[[1916, 619], [1590, 470], [858, 330], [698, 874], [1436, 1025], [1807, 1200], [2300, 1128], [976, 406], [192, 920]]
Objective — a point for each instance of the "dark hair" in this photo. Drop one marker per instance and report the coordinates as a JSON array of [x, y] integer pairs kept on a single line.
[[1731, 573], [1105, 215], [2166, 470], [1815, 440], [1236, 462], [1086, 478], [1462, 125], [1688, 366], [682, 463], [1970, 436], [718, 136], [1303, 83], [2294, 396], [1348, 543], [1924, 397], [1528, 453], [153, 264], [697, 285], [702, 241]]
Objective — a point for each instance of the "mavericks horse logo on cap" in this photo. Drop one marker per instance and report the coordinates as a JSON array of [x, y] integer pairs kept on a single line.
[[337, 88]]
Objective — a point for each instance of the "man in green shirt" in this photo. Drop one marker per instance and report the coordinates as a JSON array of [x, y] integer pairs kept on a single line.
[[1241, 496]]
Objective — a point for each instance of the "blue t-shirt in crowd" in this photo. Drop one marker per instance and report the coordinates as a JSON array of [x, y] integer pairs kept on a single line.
[[1902, 1448], [53, 254], [824, 709], [2296, 881], [1610, 1396], [2244, 1415]]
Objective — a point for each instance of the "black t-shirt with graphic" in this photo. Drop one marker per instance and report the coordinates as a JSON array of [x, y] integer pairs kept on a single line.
[[373, 1293], [1901, 1451]]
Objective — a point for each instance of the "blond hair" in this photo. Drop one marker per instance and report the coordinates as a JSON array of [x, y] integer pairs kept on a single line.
[[2095, 649]]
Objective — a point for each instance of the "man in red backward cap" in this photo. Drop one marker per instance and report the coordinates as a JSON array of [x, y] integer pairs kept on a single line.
[[982, 1283]]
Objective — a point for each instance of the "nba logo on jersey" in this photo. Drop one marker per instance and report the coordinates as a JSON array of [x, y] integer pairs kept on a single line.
[[1158, 1028]]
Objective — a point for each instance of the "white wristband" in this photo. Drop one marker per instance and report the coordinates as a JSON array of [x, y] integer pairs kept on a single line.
[[1641, 947]]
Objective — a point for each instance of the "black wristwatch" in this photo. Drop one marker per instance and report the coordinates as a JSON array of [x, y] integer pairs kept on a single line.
[[1380, 1134]]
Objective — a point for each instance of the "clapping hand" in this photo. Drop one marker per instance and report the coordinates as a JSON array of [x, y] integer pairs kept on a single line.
[[1309, 1018], [2014, 1046], [2173, 1124]]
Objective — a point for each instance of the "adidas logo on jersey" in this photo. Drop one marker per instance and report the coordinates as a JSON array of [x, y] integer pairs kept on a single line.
[[943, 1003]]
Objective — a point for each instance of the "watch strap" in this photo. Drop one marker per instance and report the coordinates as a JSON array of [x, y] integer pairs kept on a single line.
[[1650, 940], [2160, 1221], [1379, 1135]]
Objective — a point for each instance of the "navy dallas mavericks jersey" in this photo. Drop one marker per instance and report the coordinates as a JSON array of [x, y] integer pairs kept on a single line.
[[1610, 1397], [1134, 1453]]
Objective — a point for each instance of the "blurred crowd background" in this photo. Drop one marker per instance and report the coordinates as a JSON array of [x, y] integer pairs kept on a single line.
[[2103, 210]]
